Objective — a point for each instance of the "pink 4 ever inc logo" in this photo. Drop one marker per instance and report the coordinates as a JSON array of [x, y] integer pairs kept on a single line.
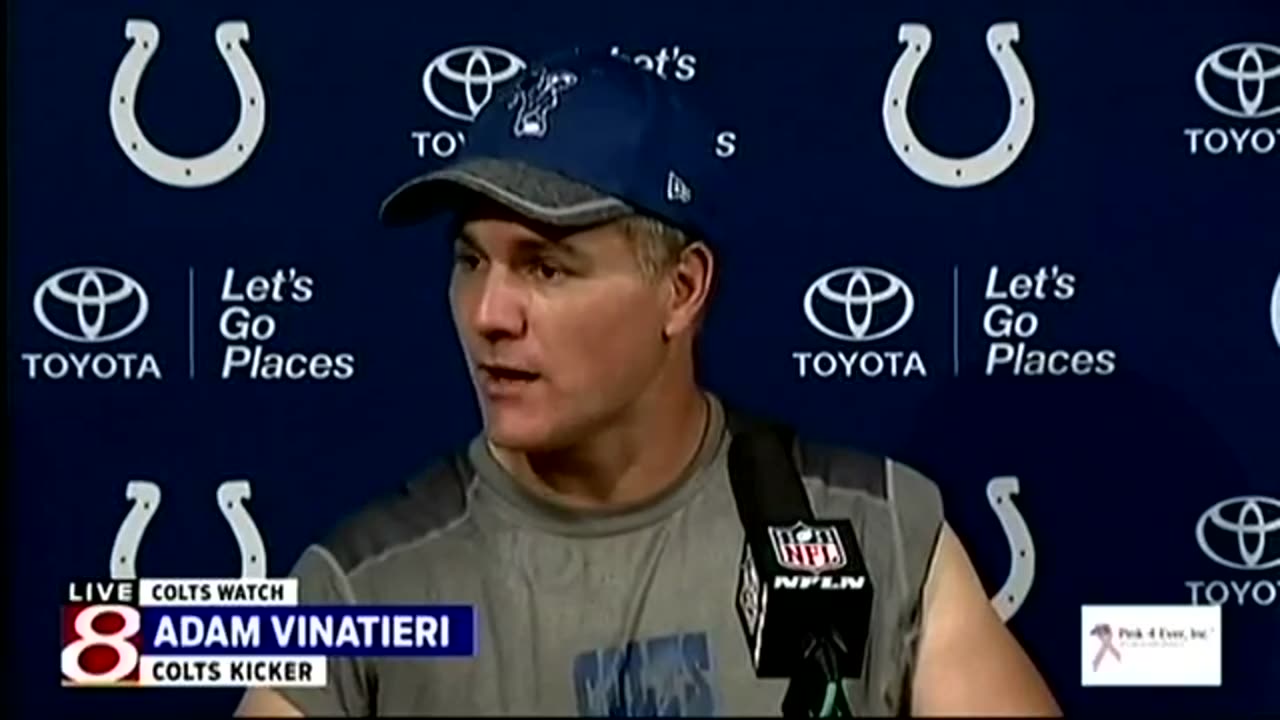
[[1106, 644]]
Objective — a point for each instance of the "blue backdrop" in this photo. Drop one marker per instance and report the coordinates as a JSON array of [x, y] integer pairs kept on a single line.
[[870, 292]]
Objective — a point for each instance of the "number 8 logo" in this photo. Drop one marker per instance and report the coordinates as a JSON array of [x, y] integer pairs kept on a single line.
[[118, 641]]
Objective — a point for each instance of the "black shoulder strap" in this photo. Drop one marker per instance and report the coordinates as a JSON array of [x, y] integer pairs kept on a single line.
[[837, 466], [759, 455], [742, 423]]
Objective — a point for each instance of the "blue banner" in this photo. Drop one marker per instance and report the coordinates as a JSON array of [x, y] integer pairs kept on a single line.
[[343, 630]]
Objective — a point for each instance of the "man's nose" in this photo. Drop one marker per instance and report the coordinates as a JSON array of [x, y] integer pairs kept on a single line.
[[499, 310]]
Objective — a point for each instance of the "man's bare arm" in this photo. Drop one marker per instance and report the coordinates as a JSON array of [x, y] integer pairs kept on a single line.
[[968, 662], [265, 702]]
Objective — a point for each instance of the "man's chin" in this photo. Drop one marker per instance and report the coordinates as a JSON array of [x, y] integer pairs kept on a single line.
[[521, 442], [518, 431]]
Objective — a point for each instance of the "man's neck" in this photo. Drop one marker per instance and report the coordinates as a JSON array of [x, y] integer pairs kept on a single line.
[[642, 455]]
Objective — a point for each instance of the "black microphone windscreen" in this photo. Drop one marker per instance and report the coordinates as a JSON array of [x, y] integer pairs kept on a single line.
[[800, 579]]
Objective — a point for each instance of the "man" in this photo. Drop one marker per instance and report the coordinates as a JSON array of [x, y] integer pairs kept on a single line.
[[592, 523]]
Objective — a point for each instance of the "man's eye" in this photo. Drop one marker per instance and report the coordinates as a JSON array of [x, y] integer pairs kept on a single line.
[[549, 271], [466, 260]]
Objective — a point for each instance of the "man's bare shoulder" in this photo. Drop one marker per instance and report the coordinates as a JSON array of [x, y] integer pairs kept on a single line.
[[968, 662], [265, 702]]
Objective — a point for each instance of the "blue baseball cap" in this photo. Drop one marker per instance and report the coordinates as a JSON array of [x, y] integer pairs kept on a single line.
[[580, 138]]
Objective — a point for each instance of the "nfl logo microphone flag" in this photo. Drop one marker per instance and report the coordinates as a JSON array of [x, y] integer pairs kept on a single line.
[[807, 549]]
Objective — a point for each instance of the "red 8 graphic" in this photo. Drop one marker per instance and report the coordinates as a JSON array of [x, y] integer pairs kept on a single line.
[[89, 637]]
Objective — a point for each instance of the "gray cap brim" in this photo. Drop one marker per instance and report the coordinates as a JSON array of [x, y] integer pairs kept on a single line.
[[538, 194]]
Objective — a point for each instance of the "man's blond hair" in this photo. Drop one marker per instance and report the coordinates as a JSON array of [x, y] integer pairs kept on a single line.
[[656, 244], [657, 247]]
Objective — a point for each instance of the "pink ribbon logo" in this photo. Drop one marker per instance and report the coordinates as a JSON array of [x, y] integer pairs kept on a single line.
[[1102, 631]]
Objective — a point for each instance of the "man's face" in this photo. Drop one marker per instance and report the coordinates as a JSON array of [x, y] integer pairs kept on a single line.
[[561, 331]]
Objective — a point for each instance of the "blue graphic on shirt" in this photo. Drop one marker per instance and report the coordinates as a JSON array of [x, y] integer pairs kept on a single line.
[[667, 676]]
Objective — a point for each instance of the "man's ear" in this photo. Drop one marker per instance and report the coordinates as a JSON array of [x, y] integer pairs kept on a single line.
[[690, 280]]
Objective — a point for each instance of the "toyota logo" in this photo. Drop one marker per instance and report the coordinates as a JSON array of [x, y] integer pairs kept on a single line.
[[1254, 64], [860, 290], [1244, 519], [91, 292], [477, 70]]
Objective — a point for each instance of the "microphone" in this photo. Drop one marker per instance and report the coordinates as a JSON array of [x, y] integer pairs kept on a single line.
[[804, 593]]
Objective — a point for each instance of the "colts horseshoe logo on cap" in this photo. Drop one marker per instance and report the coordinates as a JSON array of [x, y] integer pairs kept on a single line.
[[207, 169], [1022, 564], [980, 168], [146, 499]]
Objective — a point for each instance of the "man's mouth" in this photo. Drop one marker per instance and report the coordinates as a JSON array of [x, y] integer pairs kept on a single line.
[[506, 373]]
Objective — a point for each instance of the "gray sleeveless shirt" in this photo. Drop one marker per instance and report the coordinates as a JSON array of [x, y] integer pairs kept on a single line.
[[595, 613]]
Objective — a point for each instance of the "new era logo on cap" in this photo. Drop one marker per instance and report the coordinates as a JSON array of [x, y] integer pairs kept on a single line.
[[677, 189]]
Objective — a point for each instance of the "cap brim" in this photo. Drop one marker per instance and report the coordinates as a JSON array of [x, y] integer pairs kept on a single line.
[[538, 194]]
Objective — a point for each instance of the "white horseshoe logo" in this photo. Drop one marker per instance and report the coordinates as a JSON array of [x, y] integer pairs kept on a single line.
[[980, 168], [253, 555], [124, 552], [1022, 551], [187, 172], [146, 499], [1275, 310]]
